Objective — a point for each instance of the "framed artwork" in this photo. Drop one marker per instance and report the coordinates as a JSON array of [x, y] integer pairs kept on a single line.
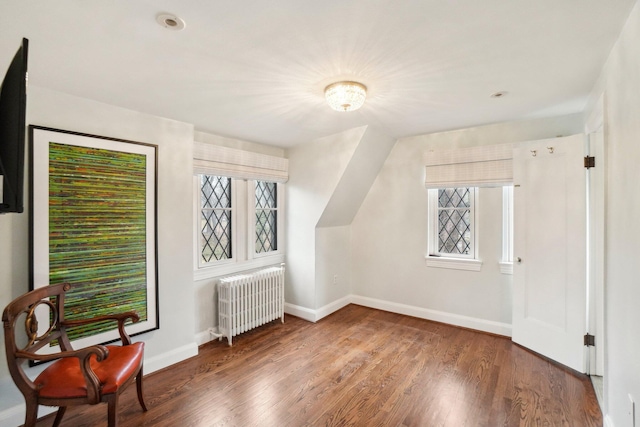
[[93, 224]]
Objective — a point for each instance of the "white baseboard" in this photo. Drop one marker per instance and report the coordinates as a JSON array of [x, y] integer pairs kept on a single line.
[[203, 338], [171, 357], [437, 316], [333, 307], [310, 315], [315, 315], [301, 312]]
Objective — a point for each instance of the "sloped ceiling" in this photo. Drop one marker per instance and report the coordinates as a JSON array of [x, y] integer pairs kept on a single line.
[[357, 178], [256, 70]]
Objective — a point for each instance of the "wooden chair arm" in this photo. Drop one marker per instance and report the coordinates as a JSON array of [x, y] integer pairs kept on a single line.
[[100, 351], [84, 356], [120, 317]]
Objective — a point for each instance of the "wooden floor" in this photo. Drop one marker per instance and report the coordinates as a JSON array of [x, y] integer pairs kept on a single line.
[[359, 367]]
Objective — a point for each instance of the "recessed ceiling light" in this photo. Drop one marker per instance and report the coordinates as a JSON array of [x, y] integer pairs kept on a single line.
[[171, 22], [500, 94]]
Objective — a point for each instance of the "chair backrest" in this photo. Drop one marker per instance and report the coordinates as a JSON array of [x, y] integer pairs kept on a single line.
[[30, 310]]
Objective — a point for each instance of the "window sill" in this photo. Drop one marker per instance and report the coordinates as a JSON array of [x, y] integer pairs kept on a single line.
[[223, 270], [506, 267], [453, 263]]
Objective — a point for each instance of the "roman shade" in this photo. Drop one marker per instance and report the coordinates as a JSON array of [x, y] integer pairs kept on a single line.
[[482, 166], [212, 159]]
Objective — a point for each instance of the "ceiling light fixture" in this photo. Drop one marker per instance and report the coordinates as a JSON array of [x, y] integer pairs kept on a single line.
[[171, 22], [345, 96]]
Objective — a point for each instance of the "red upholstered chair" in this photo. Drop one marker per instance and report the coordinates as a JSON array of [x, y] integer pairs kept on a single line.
[[86, 376]]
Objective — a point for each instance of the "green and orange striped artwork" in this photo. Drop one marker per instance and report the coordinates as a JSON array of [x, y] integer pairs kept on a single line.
[[98, 232]]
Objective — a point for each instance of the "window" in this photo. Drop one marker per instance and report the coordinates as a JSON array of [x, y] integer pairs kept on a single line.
[[266, 217], [452, 219], [455, 222], [216, 218], [239, 225]]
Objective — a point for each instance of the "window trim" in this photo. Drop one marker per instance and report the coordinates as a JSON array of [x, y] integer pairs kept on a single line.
[[436, 259], [506, 263], [453, 263]]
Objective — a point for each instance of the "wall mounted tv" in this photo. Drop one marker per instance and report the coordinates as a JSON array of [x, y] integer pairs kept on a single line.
[[13, 106]]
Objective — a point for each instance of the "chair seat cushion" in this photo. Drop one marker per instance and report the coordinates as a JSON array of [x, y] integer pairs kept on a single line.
[[63, 379]]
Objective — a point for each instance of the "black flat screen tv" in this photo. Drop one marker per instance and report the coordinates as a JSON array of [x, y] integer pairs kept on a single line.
[[13, 108]]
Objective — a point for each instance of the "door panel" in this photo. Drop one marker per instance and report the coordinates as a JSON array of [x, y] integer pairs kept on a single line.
[[549, 282]]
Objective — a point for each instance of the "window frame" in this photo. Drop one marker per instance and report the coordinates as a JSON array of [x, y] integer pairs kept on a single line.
[[234, 220], [434, 257], [251, 222], [242, 232], [506, 263]]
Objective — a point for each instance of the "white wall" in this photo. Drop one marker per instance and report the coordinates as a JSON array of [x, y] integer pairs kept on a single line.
[[620, 83], [328, 179], [389, 234], [206, 309], [363, 167], [14, 281], [333, 264], [174, 340], [315, 168]]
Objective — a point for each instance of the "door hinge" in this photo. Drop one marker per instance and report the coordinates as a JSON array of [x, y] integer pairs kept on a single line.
[[589, 340], [589, 162]]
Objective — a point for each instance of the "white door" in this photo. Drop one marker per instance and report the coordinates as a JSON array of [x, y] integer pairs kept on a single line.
[[549, 273]]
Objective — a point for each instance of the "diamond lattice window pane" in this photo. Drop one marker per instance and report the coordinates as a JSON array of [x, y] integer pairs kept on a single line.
[[215, 236], [454, 198], [266, 231], [215, 191], [215, 222], [454, 231], [266, 217], [265, 195]]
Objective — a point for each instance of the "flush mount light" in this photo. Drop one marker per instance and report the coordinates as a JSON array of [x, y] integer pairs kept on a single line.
[[345, 96], [171, 22]]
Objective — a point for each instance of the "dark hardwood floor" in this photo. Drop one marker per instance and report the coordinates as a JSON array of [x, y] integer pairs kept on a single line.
[[359, 367]]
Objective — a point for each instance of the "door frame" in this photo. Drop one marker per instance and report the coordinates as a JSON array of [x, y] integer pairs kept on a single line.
[[594, 129]]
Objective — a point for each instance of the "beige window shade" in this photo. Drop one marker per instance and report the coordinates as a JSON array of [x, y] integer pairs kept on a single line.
[[212, 159], [483, 166]]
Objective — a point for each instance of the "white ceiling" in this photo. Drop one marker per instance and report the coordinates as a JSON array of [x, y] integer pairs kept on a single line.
[[256, 69]]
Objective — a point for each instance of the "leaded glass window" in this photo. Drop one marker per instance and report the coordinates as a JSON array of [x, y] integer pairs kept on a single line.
[[215, 218], [266, 217], [455, 221]]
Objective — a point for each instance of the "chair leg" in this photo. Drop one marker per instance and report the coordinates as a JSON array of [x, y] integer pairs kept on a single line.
[[139, 388], [31, 415], [112, 404], [59, 415]]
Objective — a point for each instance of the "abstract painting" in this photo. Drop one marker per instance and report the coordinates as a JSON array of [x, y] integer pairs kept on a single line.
[[93, 225]]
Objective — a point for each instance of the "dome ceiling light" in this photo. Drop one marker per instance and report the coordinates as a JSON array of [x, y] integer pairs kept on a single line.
[[345, 96]]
